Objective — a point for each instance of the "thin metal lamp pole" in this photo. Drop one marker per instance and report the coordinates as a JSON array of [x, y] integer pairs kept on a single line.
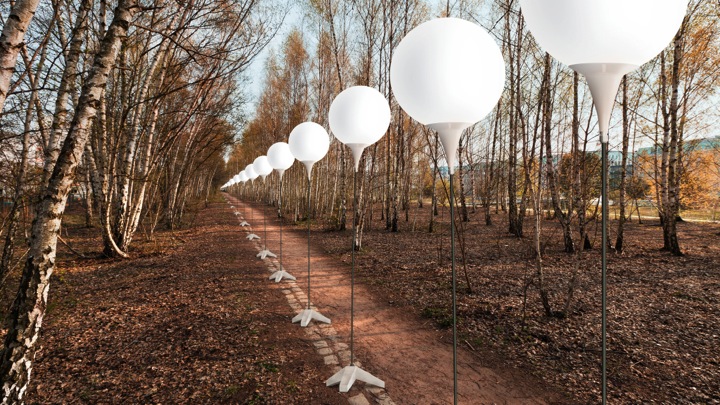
[[308, 239], [604, 157], [280, 215], [308, 314], [454, 287], [352, 272], [264, 221]]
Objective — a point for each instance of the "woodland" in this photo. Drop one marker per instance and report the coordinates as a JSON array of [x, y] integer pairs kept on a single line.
[[121, 120]]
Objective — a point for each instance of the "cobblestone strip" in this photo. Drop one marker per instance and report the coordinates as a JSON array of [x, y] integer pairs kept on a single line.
[[323, 336]]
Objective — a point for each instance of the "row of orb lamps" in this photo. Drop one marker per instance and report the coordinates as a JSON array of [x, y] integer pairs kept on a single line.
[[448, 74]]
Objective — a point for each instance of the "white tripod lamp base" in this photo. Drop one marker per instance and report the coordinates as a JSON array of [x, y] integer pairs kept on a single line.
[[252, 236], [237, 214], [281, 274], [232, 206], [244, 224], [349, 374], [308, 315], [265, 253]]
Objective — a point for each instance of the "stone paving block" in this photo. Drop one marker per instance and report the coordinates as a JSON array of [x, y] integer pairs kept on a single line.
[[325, 351]]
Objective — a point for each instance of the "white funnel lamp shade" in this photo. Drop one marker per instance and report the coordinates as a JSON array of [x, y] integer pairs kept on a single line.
[[262, 166], [280, 157], [448, 74], [603, 39], [309, 142], [359, 116]]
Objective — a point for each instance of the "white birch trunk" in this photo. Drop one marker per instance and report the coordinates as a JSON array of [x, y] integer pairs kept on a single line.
[[30, 303]]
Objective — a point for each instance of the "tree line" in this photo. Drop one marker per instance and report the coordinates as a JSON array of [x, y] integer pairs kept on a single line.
[[535, 157], [129, 106]]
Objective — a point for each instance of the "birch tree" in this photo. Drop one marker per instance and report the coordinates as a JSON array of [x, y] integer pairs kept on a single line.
[[30, 304]]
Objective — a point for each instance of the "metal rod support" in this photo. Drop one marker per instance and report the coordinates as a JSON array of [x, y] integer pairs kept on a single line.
[[352, 273], [308, 239], [454, 288], [604, 152], [281, 220], [264, 223]]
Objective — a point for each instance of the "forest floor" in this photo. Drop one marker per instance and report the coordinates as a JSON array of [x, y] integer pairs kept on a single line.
[[192, 318], [189, 319], [663, 311]]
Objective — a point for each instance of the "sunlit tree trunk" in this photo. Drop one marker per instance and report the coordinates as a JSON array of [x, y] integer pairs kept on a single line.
[[619, 241], [11, 41], [30, 304]]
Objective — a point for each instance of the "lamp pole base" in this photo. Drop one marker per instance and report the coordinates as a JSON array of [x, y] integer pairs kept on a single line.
[[265, 253], [252, 236], [308, 315], [244, 224], [349, 374], [281, 274]]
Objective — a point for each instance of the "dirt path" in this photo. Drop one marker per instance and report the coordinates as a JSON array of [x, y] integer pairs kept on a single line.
[[408, 353]]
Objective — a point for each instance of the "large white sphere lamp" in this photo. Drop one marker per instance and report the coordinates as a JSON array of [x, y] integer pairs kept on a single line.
[[359, 116], [250, 172], [263, 169], [448, 74], [604, 40], [309, 142], [281, 159], [262, 166]]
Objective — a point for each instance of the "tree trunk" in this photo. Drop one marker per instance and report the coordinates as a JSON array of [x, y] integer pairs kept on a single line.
[[669, 181], [514, 222], [342, 215], [65, 90], [562, 217], [673, 207], [623, 170], [490, 176], [89, 209], [12, 41], [461, 186], [30, 304]]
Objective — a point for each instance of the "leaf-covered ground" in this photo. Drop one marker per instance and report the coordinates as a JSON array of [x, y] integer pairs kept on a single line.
[[183, 321], [663, 311]]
